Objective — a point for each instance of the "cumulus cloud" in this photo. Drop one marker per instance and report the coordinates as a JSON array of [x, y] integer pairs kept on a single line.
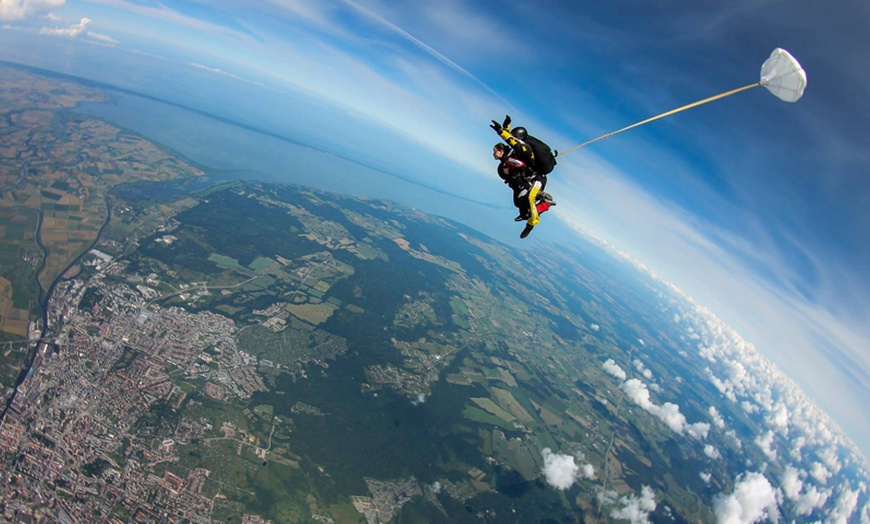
[[732, 435], [797, 445], [22, 9], [612, 368], [778, 418], [753, 499], [717, 419], [820, 472], [765, 443], [795, 429], [638, 365], [813, 498], [724, 387], [791, 482], [706, 476], [698, 430], [636, 508], [844, 507], [711, 452], [668, 412], [829, 457], [560, 470], [749, 407]]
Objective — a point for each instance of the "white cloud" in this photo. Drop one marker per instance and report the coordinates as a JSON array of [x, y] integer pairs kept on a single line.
[[724, 386], [711, 452], [829, 457], [698, 430], [732, 435], [72, 31], [820, 472], [777, 419], [753, 499], [844, 507], [805, 501], [796, 447], [749, 407], [757, 386], [560, 471], [638, 365], [22, 9], [791, 483], [717, 419], [706, 476], [612, 368], [102, 38], [811, 499], [636, 508], [669, 413], [765, 443]]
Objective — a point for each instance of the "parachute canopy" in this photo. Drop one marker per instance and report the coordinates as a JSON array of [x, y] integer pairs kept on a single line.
[[783, 76]]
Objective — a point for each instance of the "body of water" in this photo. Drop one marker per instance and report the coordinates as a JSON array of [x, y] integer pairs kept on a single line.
[[247, 152]]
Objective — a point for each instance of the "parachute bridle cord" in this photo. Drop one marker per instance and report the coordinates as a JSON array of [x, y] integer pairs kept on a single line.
[[667, 113], [781, 74]]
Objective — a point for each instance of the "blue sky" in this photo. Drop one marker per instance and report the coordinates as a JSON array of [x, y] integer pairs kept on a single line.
[[756, 208]]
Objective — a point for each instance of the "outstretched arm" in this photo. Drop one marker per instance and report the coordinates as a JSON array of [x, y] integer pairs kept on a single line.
[[521, 149]]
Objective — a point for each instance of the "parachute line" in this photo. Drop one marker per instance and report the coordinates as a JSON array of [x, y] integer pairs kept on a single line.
[[667, 113]]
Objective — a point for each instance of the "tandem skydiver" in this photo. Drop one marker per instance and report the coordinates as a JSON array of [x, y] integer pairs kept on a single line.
[[524, 168]]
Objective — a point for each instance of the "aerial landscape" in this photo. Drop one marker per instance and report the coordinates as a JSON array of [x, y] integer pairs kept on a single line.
[[203, 319]]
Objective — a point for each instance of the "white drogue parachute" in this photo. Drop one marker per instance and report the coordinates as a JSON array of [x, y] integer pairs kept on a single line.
[[781, 74]]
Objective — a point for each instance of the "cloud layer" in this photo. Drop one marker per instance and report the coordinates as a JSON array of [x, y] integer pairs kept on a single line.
[[23, 9]]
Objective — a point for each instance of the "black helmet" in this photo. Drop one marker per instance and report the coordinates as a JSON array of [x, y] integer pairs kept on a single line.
[[520, 132]]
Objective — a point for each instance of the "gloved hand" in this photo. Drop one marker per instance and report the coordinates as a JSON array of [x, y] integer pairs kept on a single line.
[[496, 126], [507, 121]]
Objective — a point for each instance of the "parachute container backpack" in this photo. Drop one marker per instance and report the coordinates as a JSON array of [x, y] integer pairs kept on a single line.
[[545, 161]]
